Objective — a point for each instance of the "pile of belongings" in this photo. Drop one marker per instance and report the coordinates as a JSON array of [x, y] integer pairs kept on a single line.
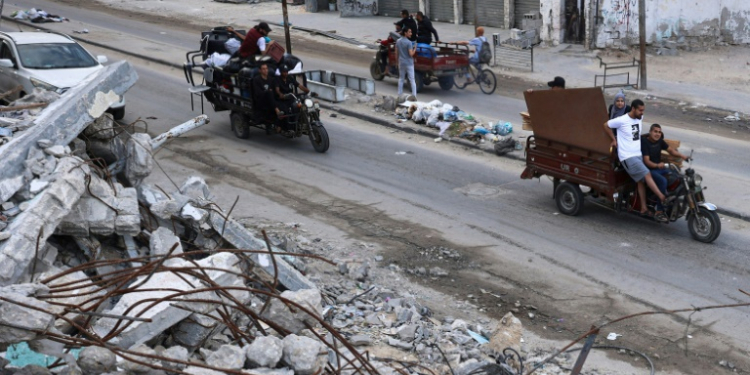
[[37, 16], [453, 121]]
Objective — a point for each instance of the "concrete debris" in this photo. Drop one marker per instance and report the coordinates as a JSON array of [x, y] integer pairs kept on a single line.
[[303, 354], [227, 357], [177, 353], [265, 351], [508, 335], [95, 360], [139, 162], [279, 312]]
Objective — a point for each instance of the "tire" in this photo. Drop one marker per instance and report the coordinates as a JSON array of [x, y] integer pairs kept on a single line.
[[240, 128], [319, 137], [446, 83], [419, 80], [569, 198], [487, 81], [375, 71], [705, 225], [118, 114]]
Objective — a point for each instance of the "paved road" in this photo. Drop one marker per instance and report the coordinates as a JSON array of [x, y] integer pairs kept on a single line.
[[508, 229]]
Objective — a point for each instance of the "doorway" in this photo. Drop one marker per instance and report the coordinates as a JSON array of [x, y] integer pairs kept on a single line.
[[575, 22]]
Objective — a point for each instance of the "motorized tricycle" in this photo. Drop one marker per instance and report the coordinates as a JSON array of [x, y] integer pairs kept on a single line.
[[570, 146], [230, 88]]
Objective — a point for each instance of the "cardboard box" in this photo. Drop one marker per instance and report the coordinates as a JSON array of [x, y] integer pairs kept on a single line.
[[275, 51]]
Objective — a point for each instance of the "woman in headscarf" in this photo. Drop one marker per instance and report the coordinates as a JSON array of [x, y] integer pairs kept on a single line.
[[619, 108]]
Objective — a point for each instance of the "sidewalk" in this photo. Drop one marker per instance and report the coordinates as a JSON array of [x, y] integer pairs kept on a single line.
[[578, 68]]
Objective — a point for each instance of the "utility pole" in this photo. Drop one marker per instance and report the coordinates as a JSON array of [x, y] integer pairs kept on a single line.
[[642, 35], [286, 27], [476, 18]]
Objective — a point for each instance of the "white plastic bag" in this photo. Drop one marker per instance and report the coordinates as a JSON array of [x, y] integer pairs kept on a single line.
[[232, 45], [217, 60], [433, 119], [436, 103]]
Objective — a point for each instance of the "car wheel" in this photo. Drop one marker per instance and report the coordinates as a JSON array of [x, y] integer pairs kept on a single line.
[[118, 114]]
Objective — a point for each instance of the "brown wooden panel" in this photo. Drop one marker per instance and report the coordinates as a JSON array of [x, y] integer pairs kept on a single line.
[[573, 116]]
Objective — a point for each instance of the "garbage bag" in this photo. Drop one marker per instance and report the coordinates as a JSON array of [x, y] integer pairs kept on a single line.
[[435, 103], [505, 146], [479, 129], [217, 60], [433, 119], [450, 116], [502, 129], [232, 45]]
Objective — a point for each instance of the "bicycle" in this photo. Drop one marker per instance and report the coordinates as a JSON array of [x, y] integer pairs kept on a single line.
[[485, 79]]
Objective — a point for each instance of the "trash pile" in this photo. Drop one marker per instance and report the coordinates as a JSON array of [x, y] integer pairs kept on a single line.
[[452, 122], [37, 16]]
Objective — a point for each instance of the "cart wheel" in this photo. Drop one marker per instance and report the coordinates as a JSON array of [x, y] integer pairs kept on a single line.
[[446, 83], [487, 81], [705, 225], [569, 198], [375, 71], [240, 128], [419, 80], [319, 137]]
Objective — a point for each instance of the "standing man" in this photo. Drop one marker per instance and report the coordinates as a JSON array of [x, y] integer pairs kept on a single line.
[[628, 144], [651, 147], [406, 50], [408, 22], [425, 29], [254, 43]]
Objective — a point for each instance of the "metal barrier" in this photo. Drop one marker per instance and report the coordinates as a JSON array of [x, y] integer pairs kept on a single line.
[[618, 66], [331, 85], [514, 57]]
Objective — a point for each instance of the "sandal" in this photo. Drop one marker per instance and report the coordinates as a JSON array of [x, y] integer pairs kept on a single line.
[[661, 217], [647, 214]]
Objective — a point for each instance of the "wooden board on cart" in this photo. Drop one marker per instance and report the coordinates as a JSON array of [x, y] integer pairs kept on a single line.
[[572, 116]]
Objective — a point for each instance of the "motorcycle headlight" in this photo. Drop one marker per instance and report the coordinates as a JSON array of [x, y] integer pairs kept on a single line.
[[308, 103], [43, 85], [697, 179]]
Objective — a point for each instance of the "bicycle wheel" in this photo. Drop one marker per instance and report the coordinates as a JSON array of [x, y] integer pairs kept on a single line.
[[461, 81], [487, 81]]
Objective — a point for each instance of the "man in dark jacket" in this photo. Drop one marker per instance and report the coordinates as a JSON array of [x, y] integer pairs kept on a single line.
[[425, 29], [408, 22], [264, 87]]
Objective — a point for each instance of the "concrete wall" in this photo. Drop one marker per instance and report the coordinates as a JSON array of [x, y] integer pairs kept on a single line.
[[553, 17], [358, 8], [690, 23]]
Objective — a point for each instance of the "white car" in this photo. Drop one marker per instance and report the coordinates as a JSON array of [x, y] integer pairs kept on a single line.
[[46, 60]]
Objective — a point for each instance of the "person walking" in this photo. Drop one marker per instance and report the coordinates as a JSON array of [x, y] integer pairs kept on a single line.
[[406, 50]]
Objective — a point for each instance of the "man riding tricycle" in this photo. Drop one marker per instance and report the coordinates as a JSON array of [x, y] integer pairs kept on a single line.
[[262, 90], [589, 163]]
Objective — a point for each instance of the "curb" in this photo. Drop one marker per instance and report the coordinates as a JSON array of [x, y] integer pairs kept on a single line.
[[418, 131], [97, 44]]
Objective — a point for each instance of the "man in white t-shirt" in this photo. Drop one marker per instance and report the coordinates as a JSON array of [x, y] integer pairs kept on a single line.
[[628, 144]]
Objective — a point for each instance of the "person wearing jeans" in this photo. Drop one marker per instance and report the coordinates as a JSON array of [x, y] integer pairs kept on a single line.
[[652, 145], [406, 50]]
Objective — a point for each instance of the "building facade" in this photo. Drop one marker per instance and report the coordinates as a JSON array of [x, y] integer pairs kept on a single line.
[[598, 23]]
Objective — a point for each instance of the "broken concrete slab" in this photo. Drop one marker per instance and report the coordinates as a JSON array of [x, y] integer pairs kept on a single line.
[[36, 224], [196, 329], [195, 187], [76, 110], [162, 240], [222, 268], [178, 353], [102, 128], [264, 351], [236, 234], [17, 322]]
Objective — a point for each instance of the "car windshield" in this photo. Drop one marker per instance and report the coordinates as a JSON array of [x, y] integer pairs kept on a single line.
[[55, 56]]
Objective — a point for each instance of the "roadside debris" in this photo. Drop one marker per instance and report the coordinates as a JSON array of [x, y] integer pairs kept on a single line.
[[37, 16]]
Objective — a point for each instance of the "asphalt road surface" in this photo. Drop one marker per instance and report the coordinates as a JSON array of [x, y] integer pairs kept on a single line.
[[408, 194]]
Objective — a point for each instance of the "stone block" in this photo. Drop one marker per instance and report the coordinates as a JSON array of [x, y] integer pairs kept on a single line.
[[227, 357], [101, 128], [74, 223], [140, 162], [128, 225], [176, 352], [281, 314], [196, 329], [162, 240], [195, 187], [303, 354], [101, 217], [137, 367], [94, 360], [265, 351]]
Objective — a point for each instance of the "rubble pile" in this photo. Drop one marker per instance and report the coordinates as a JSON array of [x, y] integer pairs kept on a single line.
[[19, 114]]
